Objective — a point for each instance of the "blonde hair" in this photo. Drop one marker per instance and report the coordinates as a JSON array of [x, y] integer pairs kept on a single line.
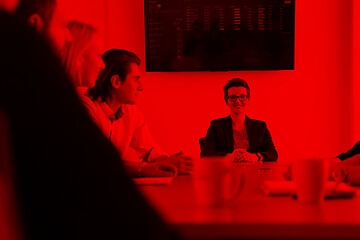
[[82, 35]]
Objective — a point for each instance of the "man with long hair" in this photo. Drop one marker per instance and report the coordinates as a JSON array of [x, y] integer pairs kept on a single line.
[[114, 98]]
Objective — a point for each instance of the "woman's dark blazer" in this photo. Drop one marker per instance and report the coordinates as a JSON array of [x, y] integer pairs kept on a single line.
[[219, 139]]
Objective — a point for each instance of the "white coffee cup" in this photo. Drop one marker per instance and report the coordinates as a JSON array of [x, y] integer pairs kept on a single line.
[[216, 180], [310, 177]]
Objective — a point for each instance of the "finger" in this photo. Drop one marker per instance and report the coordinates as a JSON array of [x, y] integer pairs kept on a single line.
[[185, 170], [177, 154], [168, 171], [242, 158], [248, 158], [181, 161], [185, 173], [168, 167], [189, 164], [161, 173]]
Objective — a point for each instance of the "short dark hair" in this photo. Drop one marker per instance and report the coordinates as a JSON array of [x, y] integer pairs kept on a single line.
[[236, 82], [45, 9], [117, 62]]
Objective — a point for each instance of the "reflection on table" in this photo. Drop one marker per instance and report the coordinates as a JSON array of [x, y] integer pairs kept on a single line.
[[252, 214]]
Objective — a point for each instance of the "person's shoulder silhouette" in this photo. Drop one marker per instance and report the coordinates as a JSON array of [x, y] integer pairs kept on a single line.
[[70, 181]]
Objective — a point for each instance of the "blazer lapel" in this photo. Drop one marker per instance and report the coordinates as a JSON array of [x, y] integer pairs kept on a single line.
[[228, 130], [251, 132]]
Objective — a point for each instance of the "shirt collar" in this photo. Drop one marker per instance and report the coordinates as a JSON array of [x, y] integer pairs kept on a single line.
[[118, 114], [109, 113]]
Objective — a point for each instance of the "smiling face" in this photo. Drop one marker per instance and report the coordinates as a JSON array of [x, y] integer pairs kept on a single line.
[[238, 106], [128, 91]]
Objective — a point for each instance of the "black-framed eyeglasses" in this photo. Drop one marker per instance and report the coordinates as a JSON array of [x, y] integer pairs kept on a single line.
[[242, 97]]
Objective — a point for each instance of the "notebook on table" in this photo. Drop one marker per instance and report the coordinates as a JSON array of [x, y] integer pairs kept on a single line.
[[153, 180]]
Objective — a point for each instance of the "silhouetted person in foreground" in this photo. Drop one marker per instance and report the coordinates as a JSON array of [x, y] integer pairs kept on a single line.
[[69, 180]]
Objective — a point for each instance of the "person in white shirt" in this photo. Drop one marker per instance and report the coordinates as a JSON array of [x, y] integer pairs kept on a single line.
[[83, 63], [112, 105]]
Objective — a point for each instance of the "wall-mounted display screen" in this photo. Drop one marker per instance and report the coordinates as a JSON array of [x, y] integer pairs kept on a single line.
[[219, 35]]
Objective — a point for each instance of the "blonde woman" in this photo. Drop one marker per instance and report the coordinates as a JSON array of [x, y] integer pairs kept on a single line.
[[82, 56]]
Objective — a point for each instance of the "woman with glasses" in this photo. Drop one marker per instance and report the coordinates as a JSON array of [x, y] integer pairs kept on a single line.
[[248, 140]]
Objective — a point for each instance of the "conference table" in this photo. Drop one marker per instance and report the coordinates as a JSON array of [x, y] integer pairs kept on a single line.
[[254, 215]]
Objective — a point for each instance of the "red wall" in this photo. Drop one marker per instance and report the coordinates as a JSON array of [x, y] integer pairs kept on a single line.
[[356, 69], [309, 111]]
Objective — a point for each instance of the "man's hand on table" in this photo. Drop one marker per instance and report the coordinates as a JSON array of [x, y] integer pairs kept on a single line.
[[183, 163], [241, 155], [157, 169]]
